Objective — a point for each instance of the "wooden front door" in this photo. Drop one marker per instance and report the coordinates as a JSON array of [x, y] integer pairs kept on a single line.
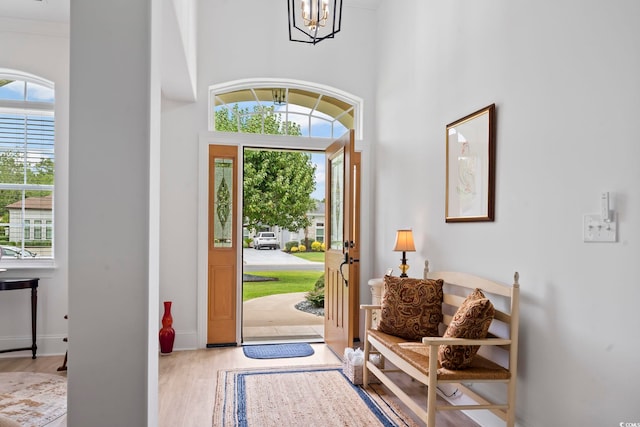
[[223, 245], [342, 249]]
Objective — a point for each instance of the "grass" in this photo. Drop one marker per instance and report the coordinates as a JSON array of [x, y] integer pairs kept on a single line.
[[288, 282], [310, 256]]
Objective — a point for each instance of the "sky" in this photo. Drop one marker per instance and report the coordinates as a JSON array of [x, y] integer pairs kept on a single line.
[[319, 160], [35, 92]]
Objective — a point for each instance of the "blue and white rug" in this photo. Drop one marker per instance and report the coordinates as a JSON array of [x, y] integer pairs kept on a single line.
[[277, 351], [309, 396]]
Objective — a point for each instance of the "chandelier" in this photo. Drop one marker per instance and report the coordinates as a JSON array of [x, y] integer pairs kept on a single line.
[[279, 96], [311, 21]]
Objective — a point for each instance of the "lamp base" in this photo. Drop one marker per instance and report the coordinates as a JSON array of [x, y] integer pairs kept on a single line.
[[403, 269], [404, 266]]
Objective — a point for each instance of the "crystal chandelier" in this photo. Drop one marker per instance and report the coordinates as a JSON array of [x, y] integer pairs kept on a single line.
[[311, 21]]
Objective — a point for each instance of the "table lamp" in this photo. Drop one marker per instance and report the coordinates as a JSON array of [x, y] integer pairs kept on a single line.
[[404, 243]]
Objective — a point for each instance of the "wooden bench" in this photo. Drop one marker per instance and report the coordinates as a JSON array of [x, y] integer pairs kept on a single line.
[[495, 362]]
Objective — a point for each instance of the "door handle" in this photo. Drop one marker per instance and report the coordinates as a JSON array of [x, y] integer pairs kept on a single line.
[[344, 262]]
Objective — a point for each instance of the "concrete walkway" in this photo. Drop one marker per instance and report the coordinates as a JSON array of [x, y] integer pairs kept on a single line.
[[274, 317]]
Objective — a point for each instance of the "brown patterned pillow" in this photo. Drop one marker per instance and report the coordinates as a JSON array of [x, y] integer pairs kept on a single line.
[[411, 308], [472, 320]]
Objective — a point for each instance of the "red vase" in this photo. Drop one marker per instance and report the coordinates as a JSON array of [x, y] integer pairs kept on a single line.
[[167, 334]]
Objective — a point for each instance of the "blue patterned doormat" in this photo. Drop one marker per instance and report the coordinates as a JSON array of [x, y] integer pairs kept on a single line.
[[277, 351]]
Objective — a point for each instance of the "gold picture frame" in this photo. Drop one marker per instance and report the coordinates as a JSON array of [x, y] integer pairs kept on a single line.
[[471, 152]]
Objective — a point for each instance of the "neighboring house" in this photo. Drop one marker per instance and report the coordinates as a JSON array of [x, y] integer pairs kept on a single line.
[[315, 232], [34, 222]]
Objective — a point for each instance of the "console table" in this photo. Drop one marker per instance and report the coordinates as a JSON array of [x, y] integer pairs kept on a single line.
[[12, 284]]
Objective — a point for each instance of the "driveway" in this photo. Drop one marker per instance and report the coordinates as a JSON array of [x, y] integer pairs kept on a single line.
[[254, 260]]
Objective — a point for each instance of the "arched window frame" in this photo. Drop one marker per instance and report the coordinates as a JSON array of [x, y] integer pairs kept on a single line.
[[29, 108], [354, 102]]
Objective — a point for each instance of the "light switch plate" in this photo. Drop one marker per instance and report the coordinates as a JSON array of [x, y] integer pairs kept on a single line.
[[597, 230]]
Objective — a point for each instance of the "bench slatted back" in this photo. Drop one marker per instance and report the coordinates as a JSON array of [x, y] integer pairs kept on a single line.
[[466, 283]]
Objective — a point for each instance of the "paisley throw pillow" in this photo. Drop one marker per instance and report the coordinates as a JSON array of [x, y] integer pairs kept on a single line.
[[472, 320], [411, 308]]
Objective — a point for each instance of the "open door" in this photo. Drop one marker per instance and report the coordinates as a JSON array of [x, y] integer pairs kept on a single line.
[[342, 249], [222, 246]]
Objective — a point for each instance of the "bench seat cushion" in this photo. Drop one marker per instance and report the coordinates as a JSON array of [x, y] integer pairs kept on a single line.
[[417, 354]]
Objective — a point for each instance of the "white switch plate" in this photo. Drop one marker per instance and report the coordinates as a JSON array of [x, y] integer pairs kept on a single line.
[[597, 230]]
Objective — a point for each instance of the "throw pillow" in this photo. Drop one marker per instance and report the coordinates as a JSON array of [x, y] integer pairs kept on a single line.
[[411, 308], [472, 320]]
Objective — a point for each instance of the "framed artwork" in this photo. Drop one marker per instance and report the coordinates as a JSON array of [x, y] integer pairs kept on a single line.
[[471, 152]]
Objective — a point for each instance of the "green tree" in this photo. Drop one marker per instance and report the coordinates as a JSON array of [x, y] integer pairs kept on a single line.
[[277, 189], [244, 120], [277, 184]]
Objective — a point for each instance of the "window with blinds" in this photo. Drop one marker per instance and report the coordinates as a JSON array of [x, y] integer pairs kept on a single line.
[[27, 160]]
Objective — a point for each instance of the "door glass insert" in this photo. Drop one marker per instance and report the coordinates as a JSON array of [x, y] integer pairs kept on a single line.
[[223, 203], [337, 200]]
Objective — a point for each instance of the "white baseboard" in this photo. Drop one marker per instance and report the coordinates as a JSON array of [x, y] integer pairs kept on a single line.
[[55, 346], [47, 346], [186, 341]]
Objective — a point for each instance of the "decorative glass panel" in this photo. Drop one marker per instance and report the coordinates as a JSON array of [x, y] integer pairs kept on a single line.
[[337, 200], [223, 203]]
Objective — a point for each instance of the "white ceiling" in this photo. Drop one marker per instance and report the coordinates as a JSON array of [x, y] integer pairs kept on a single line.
[[58, 10]]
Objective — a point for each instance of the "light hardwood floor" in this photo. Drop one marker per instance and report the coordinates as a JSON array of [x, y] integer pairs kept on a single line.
[[187, 381]]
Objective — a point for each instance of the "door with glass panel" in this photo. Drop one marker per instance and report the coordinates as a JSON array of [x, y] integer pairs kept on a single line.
[[342, 251], [222, 246]]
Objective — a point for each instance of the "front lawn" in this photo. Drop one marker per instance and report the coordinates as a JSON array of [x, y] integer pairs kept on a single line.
[[310, 256], [288, 282]]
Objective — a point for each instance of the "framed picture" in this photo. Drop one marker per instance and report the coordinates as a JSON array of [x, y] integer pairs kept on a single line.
[[471, 152]]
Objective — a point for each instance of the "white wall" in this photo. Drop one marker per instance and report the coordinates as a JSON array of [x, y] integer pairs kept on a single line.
[[41, 49], [564, 77], [232, 45]]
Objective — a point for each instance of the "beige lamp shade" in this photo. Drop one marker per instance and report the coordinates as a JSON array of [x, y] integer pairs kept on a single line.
[[404, 241]]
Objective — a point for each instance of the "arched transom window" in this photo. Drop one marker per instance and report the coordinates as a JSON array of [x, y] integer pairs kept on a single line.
[[283, 108]]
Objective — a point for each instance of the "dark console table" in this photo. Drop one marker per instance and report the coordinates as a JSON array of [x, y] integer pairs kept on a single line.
[[12, 284]]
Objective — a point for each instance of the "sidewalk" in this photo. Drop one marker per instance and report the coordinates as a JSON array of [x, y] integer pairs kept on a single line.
[[275, 317]]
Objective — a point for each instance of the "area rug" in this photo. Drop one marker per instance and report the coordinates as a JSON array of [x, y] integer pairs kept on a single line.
[[277, 351], [307, 396], [32, 399]]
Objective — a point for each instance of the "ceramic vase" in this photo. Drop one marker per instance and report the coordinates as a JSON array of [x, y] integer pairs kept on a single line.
[[167, 334]]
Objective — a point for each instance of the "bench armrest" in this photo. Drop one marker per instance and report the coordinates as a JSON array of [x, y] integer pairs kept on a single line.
[[464, 341], [368, 314]]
